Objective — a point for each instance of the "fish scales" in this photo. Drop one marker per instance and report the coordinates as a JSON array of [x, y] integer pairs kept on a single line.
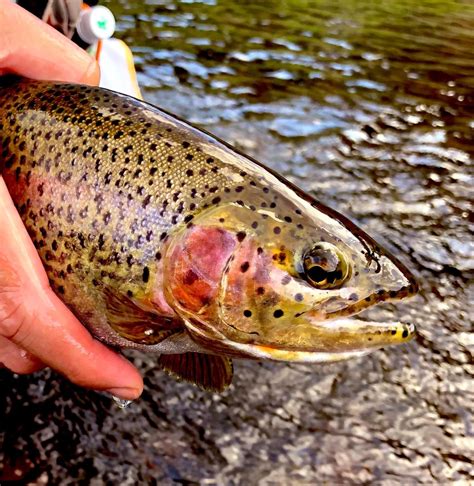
[[75, 150], [161, 237]]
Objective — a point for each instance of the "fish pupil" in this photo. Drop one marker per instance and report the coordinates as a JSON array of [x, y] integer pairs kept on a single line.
[[325, 267], [317, 274]]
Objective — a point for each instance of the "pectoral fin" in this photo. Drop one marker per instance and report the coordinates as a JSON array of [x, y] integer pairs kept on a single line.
[[135, 324], [209, 372]]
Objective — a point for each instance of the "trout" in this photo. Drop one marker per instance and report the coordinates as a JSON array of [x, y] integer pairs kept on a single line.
[[161, 237]]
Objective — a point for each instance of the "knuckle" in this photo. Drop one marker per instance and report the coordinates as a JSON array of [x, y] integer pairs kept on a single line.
[[18, 360], [12, 322], [11, 300]]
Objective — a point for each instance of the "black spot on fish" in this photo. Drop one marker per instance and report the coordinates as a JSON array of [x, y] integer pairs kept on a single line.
[[244, 267], [278, 313], [146, 201], [146, 274], [241, 236], [247, 313]]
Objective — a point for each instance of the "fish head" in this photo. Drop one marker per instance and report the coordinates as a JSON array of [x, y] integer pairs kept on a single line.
[[282, 279]]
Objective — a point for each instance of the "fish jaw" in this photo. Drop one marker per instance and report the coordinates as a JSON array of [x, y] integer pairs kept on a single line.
[[382, 333], [366, 337]]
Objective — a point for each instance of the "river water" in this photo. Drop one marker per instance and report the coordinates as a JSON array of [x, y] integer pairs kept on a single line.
[[368, 106]]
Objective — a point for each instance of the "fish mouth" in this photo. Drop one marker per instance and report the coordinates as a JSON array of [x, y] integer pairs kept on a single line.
[[343, 334], [337, 336], [357, 338], [345, 338]]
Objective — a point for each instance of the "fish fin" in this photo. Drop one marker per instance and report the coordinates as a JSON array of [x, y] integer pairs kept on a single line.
[[207, 371], [135, 324]]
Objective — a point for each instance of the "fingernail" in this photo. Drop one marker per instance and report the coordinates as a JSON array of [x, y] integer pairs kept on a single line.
[[92, 74], [125, 393]]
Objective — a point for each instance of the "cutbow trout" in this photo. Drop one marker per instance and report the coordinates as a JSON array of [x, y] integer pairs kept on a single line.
[[160, 237]]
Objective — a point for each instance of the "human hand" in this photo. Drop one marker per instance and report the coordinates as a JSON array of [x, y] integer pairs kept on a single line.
[[36, 328]]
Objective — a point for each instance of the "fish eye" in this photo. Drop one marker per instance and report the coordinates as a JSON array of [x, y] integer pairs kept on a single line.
[[325, 267]]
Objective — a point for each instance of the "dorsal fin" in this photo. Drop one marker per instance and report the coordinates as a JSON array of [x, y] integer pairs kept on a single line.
[[133, 323], [207, 371]]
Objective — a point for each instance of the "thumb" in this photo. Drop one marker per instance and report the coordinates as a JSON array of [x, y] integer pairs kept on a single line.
[[31, 48]]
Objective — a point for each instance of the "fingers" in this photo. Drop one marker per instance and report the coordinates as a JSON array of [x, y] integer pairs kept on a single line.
[[16, 359], [33, 49], [34, 318], [49, 331]]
